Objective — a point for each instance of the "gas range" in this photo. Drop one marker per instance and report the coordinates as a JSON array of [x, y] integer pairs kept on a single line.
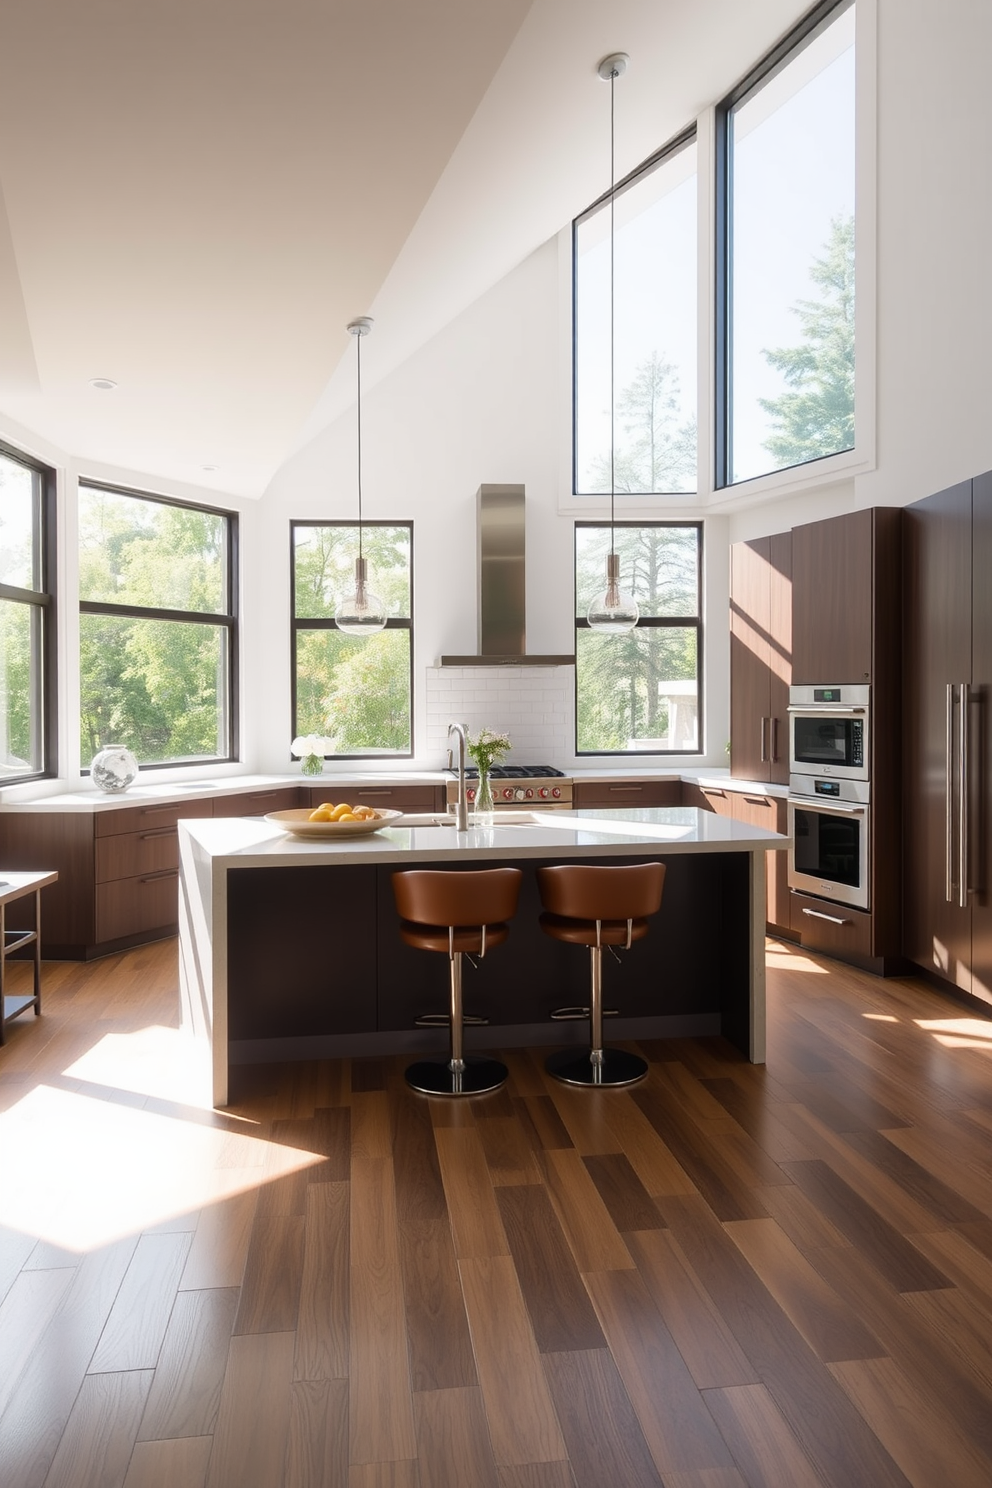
[[518, 785]]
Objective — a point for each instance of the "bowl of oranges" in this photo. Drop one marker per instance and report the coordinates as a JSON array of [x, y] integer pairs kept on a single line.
[[332, 819]]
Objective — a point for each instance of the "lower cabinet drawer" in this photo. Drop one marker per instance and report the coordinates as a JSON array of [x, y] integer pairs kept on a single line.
[[128, 906], [133, 854], [633, 793], [257, 803], [391, 797], [836, 929]]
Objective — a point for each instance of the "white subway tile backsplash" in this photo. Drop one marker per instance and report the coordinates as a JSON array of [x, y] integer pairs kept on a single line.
[[532, 704]]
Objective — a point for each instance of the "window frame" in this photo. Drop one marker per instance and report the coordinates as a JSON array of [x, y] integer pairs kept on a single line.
[[672, 147], [816, 20], [44, 599], [301, 623], [649, 622], [227, 620]]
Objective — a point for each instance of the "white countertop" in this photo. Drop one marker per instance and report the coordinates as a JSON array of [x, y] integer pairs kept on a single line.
[[248, 842]]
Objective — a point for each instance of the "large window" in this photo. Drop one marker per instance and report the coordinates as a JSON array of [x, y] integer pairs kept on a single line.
[[158, 628], [641, 692], [655, 331], [785, 313], [356, 691], [27, 622]]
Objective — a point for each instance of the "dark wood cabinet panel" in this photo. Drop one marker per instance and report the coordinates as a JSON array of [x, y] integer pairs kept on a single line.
[[390, 797], [769, 812], [591, 794], [257, 803], [62, 841], [835, 929], [131, 854], [832, 592], [141, 818], [760, 657], [135, 906], [980, 802]]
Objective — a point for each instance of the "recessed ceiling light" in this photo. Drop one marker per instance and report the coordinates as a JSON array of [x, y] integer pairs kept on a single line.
[[105, 384]]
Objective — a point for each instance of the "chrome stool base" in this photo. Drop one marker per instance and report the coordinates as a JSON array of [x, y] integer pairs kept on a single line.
[[436, 1077], [576, 1067]]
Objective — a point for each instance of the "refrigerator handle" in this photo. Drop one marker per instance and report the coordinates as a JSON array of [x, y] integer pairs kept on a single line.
[[949, 798], [963, 799]]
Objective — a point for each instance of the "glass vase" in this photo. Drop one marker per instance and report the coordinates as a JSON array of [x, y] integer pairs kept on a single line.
[[313, 764], [483, 812]]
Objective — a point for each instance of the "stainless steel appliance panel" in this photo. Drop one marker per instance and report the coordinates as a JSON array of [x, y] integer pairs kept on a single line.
[[829, 856], [829, 731]]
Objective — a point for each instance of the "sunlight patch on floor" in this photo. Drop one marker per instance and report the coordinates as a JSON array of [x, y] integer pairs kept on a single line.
[[160, 1063], [959, 1033], [881, 1017], [81, 1171], [792, 961]]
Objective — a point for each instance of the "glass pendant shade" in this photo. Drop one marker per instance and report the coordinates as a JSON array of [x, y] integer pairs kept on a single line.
[[613, 612], [361, 612]]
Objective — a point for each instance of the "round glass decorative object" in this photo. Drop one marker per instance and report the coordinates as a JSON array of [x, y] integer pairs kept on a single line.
[[114, 769]]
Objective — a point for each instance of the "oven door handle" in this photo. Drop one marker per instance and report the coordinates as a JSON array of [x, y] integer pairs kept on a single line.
[[831, 709], [805, 804]]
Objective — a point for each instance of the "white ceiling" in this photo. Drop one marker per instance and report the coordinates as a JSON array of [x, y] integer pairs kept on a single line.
[[196, 196]]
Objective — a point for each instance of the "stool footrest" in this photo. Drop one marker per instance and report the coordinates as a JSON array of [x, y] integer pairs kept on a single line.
[[574, 1014], [443, 1020]]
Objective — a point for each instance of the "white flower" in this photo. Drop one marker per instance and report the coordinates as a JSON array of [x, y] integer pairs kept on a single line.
[[307, 744]]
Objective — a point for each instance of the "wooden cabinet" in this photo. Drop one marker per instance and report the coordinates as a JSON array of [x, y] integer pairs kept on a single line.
[[845, 587], [415, 797], [257, 803], [947, 761], [590, 794], [756, 810], [835, 929], [760, 657]]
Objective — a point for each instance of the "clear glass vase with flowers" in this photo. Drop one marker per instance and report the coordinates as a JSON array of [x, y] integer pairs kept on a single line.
[[486, 748], [310, 749]]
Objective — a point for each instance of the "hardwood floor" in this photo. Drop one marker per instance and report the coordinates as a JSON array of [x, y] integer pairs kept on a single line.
[[726, 1277]]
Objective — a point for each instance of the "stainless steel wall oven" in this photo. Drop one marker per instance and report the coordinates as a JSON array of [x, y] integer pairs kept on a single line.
[[829, 731]]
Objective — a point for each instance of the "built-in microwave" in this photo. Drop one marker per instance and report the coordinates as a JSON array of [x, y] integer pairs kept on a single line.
[[829, 731], [829, 823]]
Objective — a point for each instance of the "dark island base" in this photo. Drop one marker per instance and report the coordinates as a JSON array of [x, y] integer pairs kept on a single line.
[[316, 967]]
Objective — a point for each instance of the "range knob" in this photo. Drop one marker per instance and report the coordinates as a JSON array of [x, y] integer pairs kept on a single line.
[[470, 794], [519, 795], [529, 794], [544, 793], [508, 793], [556, 792]]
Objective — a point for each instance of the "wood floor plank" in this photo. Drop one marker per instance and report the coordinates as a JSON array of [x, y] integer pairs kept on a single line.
[[764, 1447], [416, 1166], [954, 1254], [471, 1199], [536, 1475], [219, 1250], [677, 1427], [15, 1249], [523, 1426], [133, 1333], [44, 1393], [831, 1328], [865, 1228], [627, 1200], [440, 1343], [185, 1394], [331, 1137], [545, 1122], [270, 1293], [561, 1314], [943, 1202], [253, 1420], [961, 1326], [592, 1235], [714, 1177], [384, 1475], [96, 1446], [322, 1332], [453, 1439], [905, 1418], [800, 1219], [846, 1453], [706, 1477], [25, 1313], [371, 1123], [711, 1352], [367, 1075], [181, 1463], [508, 1152], [381, 1408], [317, 1447], [656, 1166], [605, 1442], [757, 1115], [584, 1114]]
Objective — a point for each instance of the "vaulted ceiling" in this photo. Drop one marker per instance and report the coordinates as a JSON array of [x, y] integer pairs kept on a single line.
[[196, 196]]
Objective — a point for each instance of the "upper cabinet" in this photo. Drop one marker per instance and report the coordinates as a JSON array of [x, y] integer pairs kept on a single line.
[[832, 606], [760, 657]]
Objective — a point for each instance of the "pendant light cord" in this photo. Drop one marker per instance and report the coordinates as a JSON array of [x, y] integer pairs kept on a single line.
[[613, 404], [359, 350]]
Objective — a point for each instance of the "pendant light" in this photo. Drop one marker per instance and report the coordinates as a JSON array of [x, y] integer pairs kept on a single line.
[[362, 612], [613, 612]]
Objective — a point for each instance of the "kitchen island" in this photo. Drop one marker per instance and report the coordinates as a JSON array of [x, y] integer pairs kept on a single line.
[[289, 948]]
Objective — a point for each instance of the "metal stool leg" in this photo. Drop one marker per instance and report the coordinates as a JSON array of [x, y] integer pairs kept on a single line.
[[596, 1065], [458, 1076]]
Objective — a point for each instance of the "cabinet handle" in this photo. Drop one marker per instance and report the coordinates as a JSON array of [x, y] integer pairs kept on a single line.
[[816, 914], [949, 797], [165, 873], [764, 742], [156, 810], [158, 832], [626, 787], [757, 800], [375, 791], [963, 800], [775, 754]]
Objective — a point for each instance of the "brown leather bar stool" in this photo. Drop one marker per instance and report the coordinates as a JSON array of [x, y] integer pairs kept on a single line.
[[460, 913], [594, 906]]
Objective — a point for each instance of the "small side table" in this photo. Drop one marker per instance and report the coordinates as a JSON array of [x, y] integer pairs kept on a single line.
[[15, 886]]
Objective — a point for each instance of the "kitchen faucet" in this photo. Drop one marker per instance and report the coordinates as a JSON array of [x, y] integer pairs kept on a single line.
[[461, 805]]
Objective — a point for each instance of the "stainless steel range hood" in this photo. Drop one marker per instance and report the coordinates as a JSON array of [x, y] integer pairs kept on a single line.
[[502, 584]]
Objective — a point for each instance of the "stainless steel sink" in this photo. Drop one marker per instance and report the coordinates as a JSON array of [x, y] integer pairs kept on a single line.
[[434, 819]]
